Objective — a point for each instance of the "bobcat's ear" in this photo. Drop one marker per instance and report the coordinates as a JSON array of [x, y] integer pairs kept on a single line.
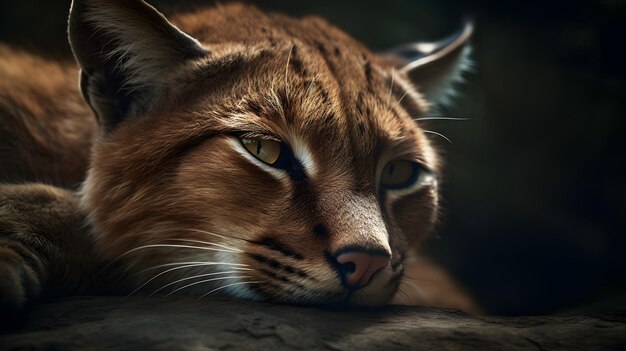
[[434, 67], [125, 49]]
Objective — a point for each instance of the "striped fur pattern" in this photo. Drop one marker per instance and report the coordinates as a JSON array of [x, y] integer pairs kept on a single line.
[[172, 202]]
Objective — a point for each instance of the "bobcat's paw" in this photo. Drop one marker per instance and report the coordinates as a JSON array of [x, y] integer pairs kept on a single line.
[[18, 281]]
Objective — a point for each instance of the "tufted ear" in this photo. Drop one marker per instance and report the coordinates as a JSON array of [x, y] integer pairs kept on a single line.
[[434, 67], [125, 49]]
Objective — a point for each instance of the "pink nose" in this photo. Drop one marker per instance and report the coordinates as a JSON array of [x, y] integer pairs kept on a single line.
[[359, 267]]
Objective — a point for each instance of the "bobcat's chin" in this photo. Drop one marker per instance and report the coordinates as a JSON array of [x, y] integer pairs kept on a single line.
[[331, 292]]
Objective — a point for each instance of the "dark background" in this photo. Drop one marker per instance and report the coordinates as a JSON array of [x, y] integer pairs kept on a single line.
[[535, 193]]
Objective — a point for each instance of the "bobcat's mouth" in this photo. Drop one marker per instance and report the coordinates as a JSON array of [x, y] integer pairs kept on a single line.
[[285, 277], [276, 274]]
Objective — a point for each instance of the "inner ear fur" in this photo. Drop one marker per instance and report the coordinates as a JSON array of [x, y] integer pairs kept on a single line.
[[433, 67], [124, 49]]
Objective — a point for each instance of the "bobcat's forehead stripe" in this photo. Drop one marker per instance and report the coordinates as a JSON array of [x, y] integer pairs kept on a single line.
[[296, 63]]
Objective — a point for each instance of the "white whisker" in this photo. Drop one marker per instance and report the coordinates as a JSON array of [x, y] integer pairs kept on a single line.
[[234, 249], [160, 274], [116, 259], [226, 286], [287, 71], [439, 134], [216, 235], [413, 283], [406, 92], [195, 263], [196, 276], [403, 295], [174, 269], [150, 246], [393, 78], [308, 89], [443, 118], [204, 281]]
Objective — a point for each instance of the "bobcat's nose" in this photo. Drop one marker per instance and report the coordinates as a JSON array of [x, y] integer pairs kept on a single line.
[[358, 267]]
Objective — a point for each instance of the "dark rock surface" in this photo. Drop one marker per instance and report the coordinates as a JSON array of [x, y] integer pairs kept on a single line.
[[115, 323]]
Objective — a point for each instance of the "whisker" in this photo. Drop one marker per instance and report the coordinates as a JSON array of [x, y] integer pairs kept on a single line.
[[403, 295], [174, 269], [160, 274], [412, 283], [308, 89], [226, 286], [443, 118], [406, 92], [160, 245], [287, 70], [234, 249], [415, 280], [406, 294], [446, 115], [393, 78], [439, 134], [203, 281], [150, 246], [196, 276], [116, 259], [216, 235], [194, 263]]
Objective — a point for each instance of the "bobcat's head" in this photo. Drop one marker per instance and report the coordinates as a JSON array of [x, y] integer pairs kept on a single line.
[[267, 158]]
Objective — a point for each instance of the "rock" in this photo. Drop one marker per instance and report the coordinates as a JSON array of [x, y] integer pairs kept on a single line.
[[117, 323]]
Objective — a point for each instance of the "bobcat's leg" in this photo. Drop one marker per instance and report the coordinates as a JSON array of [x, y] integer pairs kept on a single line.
[[44, 244]]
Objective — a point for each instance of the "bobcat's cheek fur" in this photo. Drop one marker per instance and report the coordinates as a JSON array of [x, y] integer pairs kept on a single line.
[[173, 195]]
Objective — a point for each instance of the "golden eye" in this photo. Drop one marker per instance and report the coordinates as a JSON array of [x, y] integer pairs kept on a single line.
[[399, 174], [266, 150]]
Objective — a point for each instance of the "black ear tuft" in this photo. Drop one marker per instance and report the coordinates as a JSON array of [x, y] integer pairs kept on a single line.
[[125, 48]]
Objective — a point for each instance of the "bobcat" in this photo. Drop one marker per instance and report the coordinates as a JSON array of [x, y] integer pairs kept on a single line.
[[232, 151]]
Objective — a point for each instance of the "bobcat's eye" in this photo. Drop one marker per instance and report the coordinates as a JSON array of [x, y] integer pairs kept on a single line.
[[266, 150], [402, 174]]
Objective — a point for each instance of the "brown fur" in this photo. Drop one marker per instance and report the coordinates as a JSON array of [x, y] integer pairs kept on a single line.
[[46, 129], [171, 171]]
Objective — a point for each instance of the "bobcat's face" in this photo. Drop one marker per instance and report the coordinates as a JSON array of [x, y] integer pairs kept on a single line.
[[284, 166]]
